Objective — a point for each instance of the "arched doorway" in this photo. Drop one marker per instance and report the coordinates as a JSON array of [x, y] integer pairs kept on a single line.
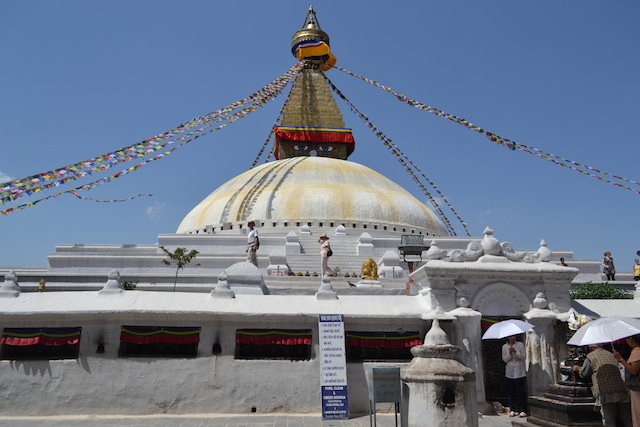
[[495, 383], [497, 302]]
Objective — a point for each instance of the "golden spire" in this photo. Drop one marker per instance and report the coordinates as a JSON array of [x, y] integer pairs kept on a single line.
[[312, 124]]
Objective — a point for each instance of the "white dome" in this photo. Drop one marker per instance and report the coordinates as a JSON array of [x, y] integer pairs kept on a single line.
[[311, 189]]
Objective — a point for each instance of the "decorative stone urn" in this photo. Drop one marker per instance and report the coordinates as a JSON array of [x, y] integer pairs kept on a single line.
[[437, 389]]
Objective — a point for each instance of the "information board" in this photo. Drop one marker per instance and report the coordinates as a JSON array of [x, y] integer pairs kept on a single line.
[[384, 384], [333, 367]]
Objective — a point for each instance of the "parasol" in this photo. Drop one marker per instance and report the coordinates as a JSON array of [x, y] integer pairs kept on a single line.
[[506, 328], [605, 330]]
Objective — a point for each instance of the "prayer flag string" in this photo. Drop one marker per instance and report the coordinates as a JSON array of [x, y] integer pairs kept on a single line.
[[409, 166], [506, 142], [15, 189], [75, 193]]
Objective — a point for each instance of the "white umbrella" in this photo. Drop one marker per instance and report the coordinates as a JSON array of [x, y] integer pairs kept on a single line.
[[605, 330], [506, 328]]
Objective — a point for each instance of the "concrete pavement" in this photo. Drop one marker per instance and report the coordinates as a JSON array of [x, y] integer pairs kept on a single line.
[[221, 420]]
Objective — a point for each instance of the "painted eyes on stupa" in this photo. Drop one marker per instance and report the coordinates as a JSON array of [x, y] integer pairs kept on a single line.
[[324, 148]]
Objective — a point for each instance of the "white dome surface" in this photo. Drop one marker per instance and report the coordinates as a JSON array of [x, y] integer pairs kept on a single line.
[[311, 188]]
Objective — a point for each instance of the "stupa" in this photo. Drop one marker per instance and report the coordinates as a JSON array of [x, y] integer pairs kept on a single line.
[[312, 180], [238, 338]]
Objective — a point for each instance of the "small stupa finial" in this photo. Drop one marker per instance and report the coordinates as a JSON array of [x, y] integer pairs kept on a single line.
[[310, 40], [310, 19]]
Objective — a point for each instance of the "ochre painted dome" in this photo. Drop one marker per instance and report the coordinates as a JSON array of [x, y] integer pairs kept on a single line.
[[311, 189]]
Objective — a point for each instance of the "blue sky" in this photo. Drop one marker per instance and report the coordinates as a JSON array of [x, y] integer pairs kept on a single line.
[[80, 79]]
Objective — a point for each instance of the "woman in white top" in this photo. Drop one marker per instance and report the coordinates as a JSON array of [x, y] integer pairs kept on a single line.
[[324, 254], [513, 355]]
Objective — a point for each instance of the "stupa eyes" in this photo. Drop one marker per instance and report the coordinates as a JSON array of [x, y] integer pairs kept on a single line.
[[323, 148]]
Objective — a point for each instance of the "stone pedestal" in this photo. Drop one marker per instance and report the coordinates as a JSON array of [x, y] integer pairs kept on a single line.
[[565, 404], [464, 333], [542, 358]]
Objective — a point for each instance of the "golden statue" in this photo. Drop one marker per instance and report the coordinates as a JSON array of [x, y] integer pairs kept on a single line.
[[369, 269], [41, 285]]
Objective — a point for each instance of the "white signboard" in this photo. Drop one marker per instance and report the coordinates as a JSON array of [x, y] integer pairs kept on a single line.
[[333, 366]]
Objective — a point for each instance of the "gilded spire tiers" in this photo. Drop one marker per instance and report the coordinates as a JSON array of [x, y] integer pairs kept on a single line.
[[311, 103], [312, 123]]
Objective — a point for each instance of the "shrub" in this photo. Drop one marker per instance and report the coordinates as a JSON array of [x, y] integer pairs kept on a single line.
[[129, 285], [591, 290]]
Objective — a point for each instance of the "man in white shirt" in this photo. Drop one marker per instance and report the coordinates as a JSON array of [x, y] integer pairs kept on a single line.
[[513, 355], [253, 243]]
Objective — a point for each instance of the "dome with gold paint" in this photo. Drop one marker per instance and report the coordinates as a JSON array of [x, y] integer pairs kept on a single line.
[[312, 190]]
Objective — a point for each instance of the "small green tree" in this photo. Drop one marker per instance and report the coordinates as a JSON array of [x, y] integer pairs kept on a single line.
[[181, 258]]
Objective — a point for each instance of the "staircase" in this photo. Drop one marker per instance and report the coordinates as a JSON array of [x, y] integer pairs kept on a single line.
[[345, 255]]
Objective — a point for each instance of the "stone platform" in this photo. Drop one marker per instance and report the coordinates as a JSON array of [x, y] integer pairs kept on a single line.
[[565, 404]]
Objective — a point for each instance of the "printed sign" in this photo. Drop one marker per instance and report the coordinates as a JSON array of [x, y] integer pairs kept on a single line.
[[333, 367]]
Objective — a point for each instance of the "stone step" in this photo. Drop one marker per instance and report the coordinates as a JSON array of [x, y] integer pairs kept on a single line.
[[345, 250]]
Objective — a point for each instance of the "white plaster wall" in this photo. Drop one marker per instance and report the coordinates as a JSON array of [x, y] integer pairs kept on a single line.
[[213, 384], [107, 384]]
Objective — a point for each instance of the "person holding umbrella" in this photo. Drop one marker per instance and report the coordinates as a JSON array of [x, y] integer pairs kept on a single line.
[[513, 355], [632, 365], [608, 387]]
